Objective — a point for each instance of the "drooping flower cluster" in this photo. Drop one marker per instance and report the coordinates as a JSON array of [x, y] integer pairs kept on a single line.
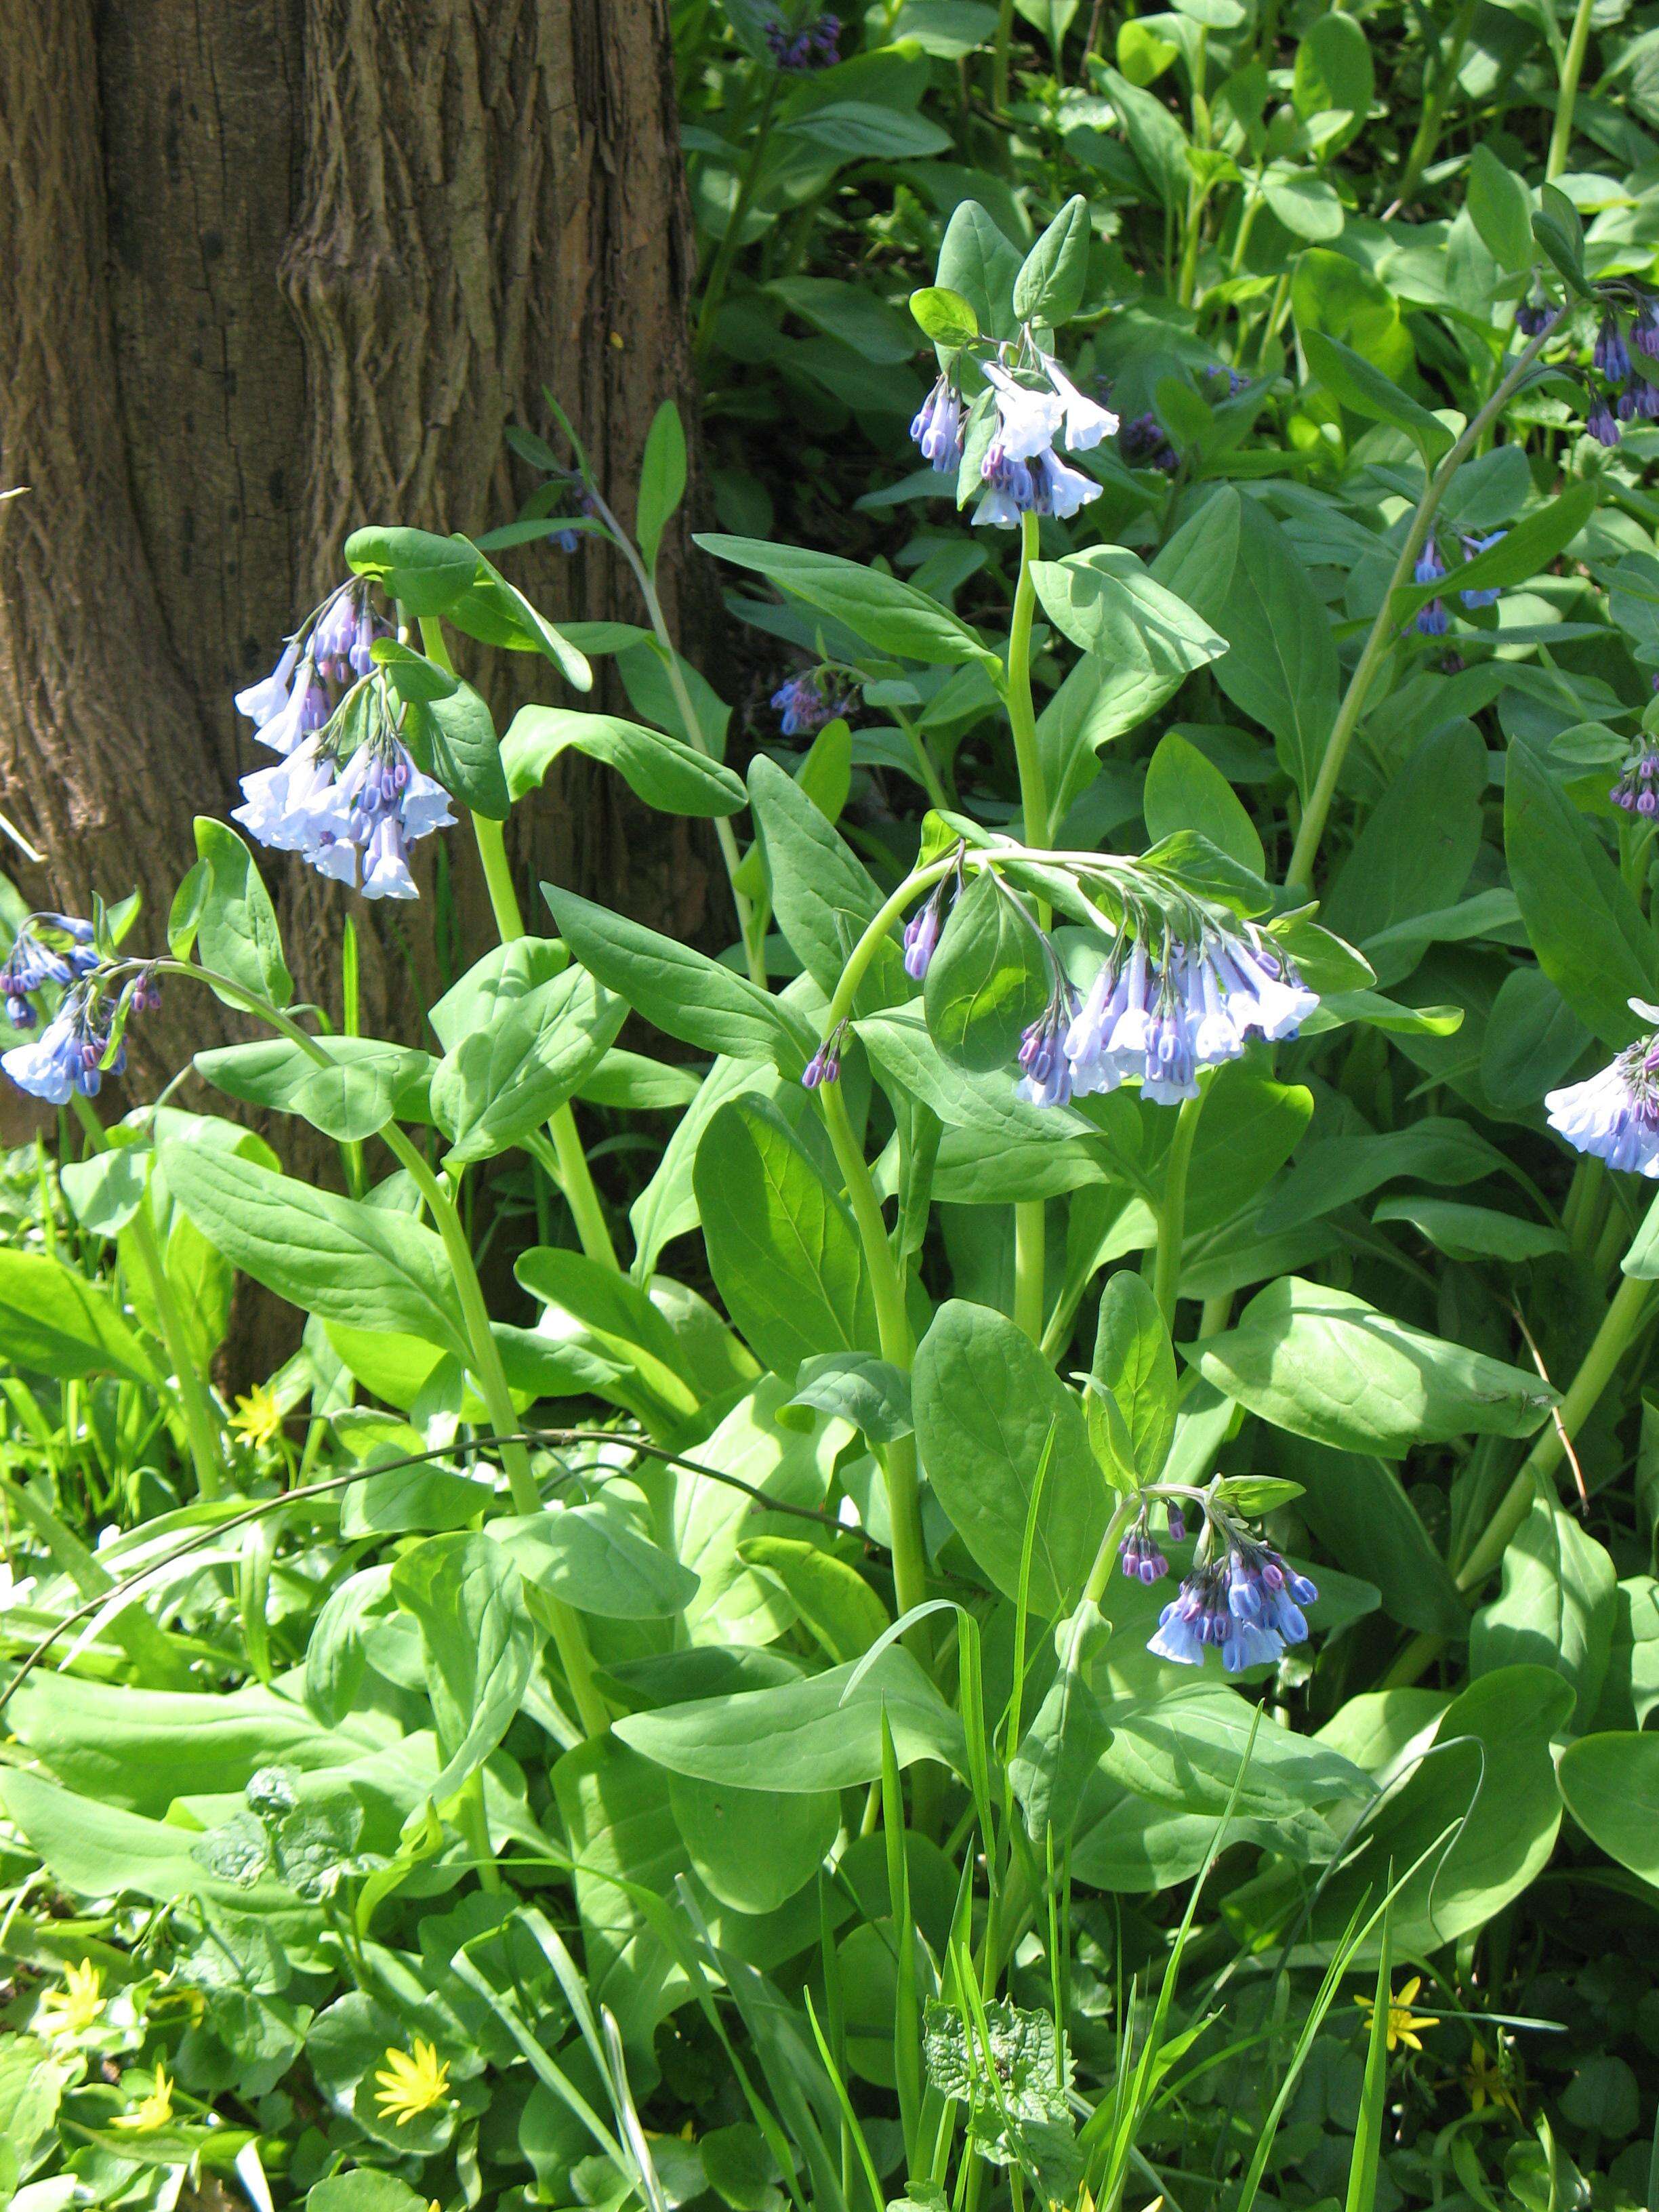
[[346, 793], [1138, 1556], [816, 45], [824, 1065], [1615, 1113], [34, 962], [1035, 402], [1618, 392], [1433, 620], [805, 703], [1638, 788], [68, 1054], [922, 932], [1159, 1018], [1247, 1603]]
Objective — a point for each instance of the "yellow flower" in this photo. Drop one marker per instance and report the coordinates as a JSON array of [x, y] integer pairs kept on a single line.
[[1403, 2022], [1486, 2082], [414, 2082], [154, 2112], [78, 2005], [257, 1417]]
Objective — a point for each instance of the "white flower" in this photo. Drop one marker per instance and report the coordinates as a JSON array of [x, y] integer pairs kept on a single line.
[[1086, 422]]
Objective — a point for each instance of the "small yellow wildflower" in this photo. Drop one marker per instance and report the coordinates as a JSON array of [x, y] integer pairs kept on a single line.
[[257, 1417], [413, 2082], [1486, 2083], [78, 2005], [1403, 2022], [154, 2112]]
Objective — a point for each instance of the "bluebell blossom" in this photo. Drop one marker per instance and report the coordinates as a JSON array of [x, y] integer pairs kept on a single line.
[[805, 703], [921, 934], [1086, 421], [1615, 1114], [1600, 422], [1645, 327], [1638, 788], [1247, 1605], [1027, 421], [937, 429], [1535, 316], [380, 805], [1488, 595], [65, 1057], [1143, 443], [33, 964], [1047, 1076], [1639, 401], [1159, 1021], [1432, 620], [262, 702], [304, 711], [290, 807], [1010, 491], [1059, 490], [817, 46], [1610, 357], [824, 1065], [343, 641], [1139, 1558]]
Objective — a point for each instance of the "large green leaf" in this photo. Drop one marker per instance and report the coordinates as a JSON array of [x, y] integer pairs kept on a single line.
[[1591, 937], [820, 1733], [683, 991], [503, 1080], [892, 615], [346, 1261], [1325, 1364], [989, 1410], [988, 981], [1358, 1508], [1418, 845], [54, 1321], [1280, 665], [478, 1641], [1611, 1785], [665, 771], [351, 1087], [822, 894], [1557, 1606], [781, 1243], [233, 922], [595, 1557]]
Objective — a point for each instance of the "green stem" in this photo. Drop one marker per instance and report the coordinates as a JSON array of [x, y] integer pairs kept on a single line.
[[1172, 1213], [721, 269], [1623, 1316], [1030, 1264], [1567, 98], [1434, 107], [893, 1330], [1100, 1574], [575, 1177], [879, 928], [202, 1432], [1005, 37], [1299, 875], [474, 1824], [926, 767], [1022, 714], [726, 836], [569, 1635]]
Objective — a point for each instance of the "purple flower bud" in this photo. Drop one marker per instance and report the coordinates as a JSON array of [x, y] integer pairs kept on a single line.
[[921, 935], [1610, 357], [1600, 422]]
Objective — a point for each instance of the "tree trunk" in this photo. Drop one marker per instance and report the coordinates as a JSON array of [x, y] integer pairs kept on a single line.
[[274, 268]]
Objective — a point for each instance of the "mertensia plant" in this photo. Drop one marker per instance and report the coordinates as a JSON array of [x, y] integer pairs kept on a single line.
[[871, 1675]]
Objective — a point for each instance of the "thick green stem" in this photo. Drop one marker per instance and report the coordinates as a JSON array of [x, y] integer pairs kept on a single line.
[[893, 1329], [575, 1177], [473, 1822], [1030, 1264], [1567, 98], [1299, 875], [569, 1635], [1623, 1316], [1004, 38], [203, 1432], [1022, 714], [1100, 1574], [1172, 1212]]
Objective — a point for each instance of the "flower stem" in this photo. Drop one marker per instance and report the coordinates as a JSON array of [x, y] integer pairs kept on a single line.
[[202, 1431], [1427, 135], [1566, 97], [569, 1635], [1022, 714], [713, 295], [893, 1329], [1172, 1213], [1299, 875], [1100, 1573], [575, 1177], [1030, 1264]]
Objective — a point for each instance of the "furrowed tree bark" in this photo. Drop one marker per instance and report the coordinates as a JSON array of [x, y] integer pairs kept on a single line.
[[270, 269]]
